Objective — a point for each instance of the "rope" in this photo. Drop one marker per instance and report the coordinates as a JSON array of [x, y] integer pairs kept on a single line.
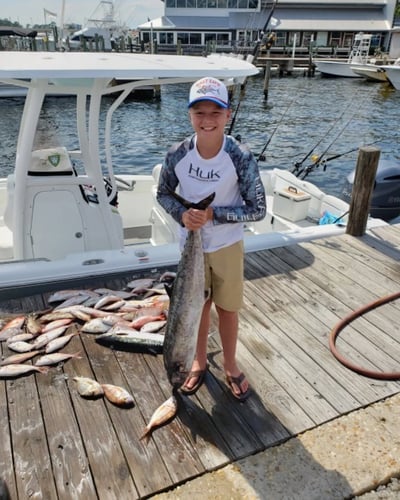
[[346, 321]]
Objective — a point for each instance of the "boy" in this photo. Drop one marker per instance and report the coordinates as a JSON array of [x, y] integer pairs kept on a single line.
[[212, 162]]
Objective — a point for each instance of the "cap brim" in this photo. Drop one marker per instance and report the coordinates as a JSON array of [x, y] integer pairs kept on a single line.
[[220, 103]]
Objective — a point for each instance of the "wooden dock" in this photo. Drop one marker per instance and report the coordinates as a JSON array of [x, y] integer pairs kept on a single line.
[[56, 445]]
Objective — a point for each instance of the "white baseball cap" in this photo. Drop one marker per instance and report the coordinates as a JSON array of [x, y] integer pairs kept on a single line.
[[209, 89]]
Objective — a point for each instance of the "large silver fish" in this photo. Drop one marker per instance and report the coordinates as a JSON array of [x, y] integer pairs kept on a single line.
[[128, 339], [186, 306]]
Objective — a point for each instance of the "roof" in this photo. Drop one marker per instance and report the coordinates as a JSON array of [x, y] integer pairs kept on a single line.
[[72, 65], [331, 20], [13, 31], [307, 18]]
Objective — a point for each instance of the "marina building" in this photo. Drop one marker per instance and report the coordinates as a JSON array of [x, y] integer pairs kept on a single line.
[[194, 25]]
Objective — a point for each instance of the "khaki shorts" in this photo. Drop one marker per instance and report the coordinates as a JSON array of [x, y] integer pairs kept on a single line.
[[224, 276]]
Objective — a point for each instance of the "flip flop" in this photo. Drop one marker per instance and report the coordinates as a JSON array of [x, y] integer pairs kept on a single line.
[[238, 382], [200, 375]]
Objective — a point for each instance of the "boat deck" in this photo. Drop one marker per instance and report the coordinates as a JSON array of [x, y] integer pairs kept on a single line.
[[56, 445]]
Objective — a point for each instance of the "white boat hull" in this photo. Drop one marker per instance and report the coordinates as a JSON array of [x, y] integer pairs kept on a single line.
[[393, 75], [151, 237], [336, 69], [370, 72]]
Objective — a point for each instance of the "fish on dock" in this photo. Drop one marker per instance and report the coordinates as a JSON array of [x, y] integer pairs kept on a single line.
[[43, 339], [162, 415], [19, 358], [117, 395], [55, 358], [88, 388], [21, 346], [15, 370], [132, 340], [59, 342]]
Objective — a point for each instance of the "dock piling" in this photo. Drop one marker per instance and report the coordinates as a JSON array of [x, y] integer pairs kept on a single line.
[[367, 164]]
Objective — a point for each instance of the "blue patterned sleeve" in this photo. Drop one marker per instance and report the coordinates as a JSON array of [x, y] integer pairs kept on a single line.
[[168, 182], [250, 186]]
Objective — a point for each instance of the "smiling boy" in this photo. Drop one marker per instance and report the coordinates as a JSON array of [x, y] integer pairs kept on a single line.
[[212, 162]]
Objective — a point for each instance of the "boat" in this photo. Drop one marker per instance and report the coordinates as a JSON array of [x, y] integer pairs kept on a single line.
[[385, 197], [101, 29], [393, 73], [359, 55], [65, 216], [369, 71]]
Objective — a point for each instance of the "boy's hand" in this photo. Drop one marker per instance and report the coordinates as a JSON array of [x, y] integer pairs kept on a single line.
[[194, 219]]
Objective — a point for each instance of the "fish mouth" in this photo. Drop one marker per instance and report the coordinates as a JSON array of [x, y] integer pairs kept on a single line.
[[178, 377]]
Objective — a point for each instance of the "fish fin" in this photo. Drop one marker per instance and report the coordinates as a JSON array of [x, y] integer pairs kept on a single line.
[[146, 435], [201, 205], [169, 287]]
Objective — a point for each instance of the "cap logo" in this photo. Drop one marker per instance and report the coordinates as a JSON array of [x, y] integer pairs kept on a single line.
[[208, 89]]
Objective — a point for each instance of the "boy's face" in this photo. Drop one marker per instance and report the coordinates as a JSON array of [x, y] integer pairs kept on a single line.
[[208, 119]]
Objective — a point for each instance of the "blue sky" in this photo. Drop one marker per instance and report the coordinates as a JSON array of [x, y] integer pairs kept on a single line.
[[129, 12]]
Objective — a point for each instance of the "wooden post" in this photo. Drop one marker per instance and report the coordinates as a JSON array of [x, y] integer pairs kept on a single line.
[[367, 164], [267, 74]]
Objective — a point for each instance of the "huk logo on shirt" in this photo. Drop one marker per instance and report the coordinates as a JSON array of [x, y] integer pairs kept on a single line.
[[199, 174]]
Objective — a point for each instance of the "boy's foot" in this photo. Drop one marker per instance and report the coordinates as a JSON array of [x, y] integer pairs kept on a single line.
[[189, 388], [239, 386]]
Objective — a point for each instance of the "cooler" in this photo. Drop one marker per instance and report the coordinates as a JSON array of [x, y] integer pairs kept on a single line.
[[291, 204]]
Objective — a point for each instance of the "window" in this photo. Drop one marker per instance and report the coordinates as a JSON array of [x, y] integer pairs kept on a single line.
[[191, 4], [222, 4], [181, 3], [183, 38], [211, 4], [232, 4], [201, 4], [166, 38], [170, 3]]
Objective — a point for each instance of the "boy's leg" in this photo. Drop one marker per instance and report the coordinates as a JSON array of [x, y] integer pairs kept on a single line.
[[228, 330]]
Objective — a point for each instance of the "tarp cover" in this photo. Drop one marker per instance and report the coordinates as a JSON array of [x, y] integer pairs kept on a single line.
[[10, 30]]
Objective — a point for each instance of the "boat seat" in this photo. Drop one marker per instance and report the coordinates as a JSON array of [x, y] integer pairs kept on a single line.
[[164, 228], [6, 243], [59, 217]]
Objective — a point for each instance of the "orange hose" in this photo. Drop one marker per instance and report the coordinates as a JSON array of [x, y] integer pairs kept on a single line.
[[347, 320]]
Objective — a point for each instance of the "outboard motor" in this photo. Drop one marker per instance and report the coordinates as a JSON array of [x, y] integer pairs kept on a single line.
[[385, 202]]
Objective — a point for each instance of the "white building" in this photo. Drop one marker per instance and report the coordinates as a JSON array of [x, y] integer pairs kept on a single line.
[[194, 24]]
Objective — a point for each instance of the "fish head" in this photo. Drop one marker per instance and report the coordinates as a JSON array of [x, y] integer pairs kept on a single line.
[[177, 375]]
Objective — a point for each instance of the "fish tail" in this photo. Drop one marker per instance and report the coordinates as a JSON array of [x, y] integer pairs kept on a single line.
[[42, 369], [146, 435], [201, 205]]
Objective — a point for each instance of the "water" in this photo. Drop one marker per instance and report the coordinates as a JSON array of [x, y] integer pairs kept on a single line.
[[331, 116]]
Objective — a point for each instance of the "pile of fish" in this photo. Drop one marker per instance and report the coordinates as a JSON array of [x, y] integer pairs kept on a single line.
[[140, 319], [133, 317]]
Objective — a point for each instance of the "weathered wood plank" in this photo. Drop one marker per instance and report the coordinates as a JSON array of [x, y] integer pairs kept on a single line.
[[32, 463], [320, 310], [67, 451], [108, 465], [6, 453]]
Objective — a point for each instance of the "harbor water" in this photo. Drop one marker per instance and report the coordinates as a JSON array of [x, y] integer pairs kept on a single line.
[[302, 117]]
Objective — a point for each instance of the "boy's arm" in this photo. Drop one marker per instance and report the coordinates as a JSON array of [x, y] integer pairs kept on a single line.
[[252, 192], [167, 184]]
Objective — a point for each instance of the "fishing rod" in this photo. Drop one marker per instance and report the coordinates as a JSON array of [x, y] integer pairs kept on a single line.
[[261, 156], [322, 162], [252, 57], [297, 170]]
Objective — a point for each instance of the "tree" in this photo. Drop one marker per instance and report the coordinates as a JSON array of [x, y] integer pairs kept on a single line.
[[7, 22]]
